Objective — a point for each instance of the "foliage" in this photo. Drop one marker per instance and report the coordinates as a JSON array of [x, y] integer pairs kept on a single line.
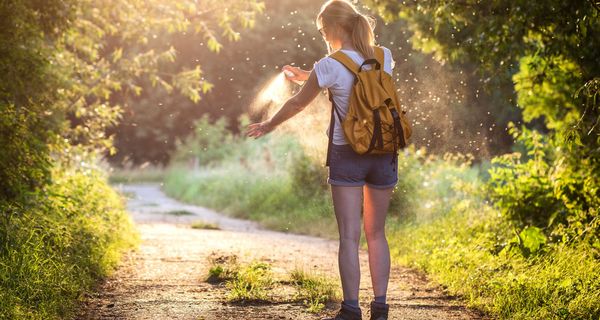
[[440, 221], [209, 143], [27, 92], [155, 120], [450, 114], [253, 182], [425, 183], [204, 225], [62, 61], [308, 177], [143, 173], [530, 241], [548, 50], [252, 281], [120, 52], [543, 189], [470, 252], [24, 158], [54, 248]]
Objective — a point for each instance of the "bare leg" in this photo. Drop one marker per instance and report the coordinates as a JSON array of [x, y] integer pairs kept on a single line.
[[347, 203], [376, 205]]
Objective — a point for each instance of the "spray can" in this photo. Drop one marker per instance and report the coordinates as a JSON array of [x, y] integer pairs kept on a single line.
[[289, 74]]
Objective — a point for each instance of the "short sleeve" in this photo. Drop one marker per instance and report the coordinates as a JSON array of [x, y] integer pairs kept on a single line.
[[389, 62], [325, 72]]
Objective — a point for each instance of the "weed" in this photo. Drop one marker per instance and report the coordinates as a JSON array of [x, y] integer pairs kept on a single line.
[[204, 225], [251, 283], [180, 213], [222, 268], [314, 290]]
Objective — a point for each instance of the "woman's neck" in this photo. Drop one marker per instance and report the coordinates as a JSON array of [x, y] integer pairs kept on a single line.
[[347, 45]]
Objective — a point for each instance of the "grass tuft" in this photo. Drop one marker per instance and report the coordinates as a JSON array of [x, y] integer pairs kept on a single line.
[[314, 290], [180, 213], [204, 225], [251, 283], [222, 268]]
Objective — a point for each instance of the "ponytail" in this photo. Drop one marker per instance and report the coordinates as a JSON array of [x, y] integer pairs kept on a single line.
[[362, 36], [358, 26]]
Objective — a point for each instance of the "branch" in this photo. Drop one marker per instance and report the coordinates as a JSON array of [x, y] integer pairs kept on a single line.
[[595, 4]]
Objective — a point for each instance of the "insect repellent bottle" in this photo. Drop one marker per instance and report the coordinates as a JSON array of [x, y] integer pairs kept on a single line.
[[289, 74]]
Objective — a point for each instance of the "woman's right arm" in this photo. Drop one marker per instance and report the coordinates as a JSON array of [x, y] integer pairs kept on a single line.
[[290, 108]]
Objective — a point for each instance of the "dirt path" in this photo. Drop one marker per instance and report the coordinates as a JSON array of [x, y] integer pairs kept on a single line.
[[165, 278]]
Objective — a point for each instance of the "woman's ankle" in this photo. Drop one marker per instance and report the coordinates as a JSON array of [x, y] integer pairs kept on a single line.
[[380, 299], [351, 303]]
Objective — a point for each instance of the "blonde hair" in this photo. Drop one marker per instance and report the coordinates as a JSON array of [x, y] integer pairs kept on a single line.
[[358, 26]]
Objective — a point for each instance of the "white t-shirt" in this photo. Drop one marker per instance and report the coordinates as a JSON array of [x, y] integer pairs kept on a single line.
[[333, 75]]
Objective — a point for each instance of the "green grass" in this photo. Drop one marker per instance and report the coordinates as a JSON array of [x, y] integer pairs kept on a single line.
[[251, 283], [58, 245], [180, 213], [254, 282], [314, 290], [271, 201], [461, 251], [204, 225], [222, 268], [255, 183]]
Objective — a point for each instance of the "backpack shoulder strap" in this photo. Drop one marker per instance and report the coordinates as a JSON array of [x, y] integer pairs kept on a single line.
[[346, 61], [379, 54]]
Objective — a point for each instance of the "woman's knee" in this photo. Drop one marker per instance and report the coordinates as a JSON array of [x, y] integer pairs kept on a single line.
[[375, 234], [350, 240]]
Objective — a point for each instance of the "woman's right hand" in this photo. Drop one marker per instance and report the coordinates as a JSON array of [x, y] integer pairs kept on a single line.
[[299, 74], [257, 130]]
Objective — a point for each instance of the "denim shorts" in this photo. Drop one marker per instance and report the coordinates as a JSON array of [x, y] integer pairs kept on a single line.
[[350, 169]]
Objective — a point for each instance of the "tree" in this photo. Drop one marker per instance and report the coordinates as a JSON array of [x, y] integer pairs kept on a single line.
[[155, 120], [549, 50], [436, 95], [62, 61]]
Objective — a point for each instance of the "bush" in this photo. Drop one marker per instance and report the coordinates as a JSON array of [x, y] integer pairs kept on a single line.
[[210, 143], [271, 180], [59, 243], [463, 251], [308, 177], [541, 188], [426, 183]]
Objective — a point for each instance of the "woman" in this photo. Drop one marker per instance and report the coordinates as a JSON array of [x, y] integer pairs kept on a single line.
[[351, 176]]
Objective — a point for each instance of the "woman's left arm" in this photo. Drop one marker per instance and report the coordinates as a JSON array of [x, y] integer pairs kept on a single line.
[[290, 108]]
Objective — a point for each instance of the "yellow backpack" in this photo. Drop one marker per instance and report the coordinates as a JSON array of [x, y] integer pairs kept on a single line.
[[374, 124]]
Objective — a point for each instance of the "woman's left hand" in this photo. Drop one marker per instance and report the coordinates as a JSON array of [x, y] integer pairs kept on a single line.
[[257, 130]]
